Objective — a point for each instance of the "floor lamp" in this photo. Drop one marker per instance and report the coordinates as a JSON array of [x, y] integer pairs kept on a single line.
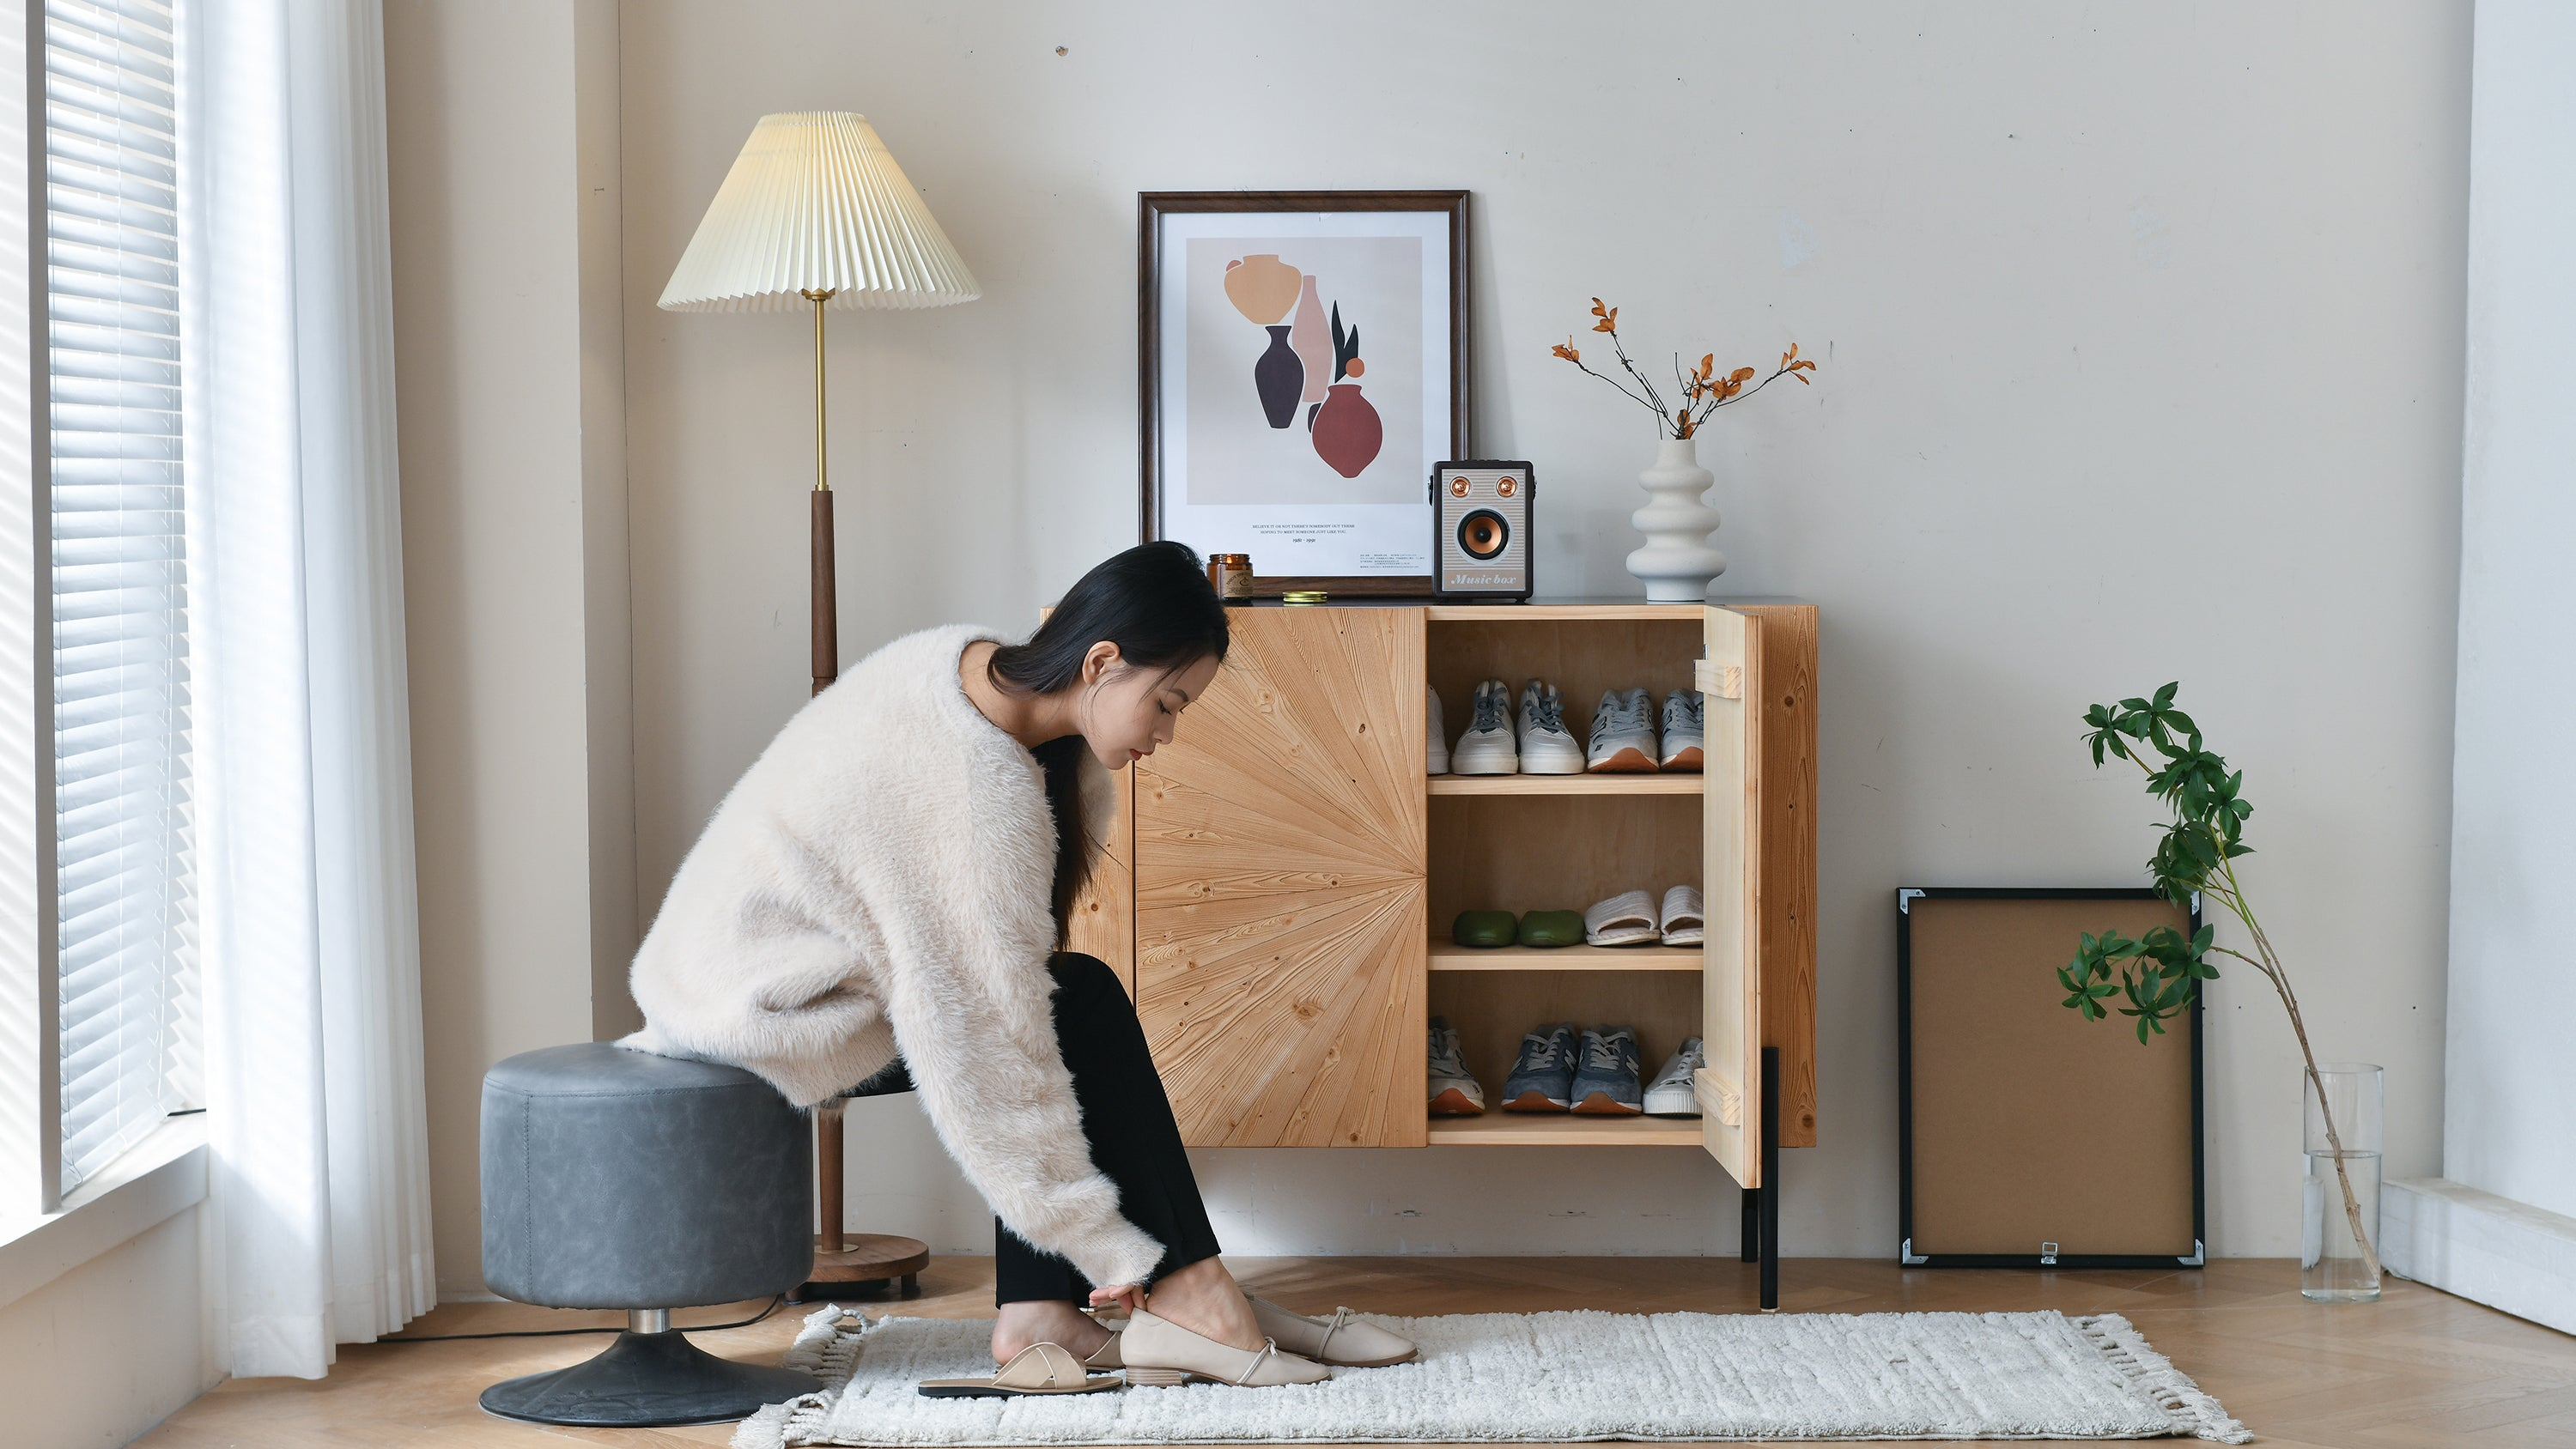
[[815, 213]]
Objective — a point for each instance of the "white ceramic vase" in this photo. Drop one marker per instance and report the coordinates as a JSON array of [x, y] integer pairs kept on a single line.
[[1676, 562]]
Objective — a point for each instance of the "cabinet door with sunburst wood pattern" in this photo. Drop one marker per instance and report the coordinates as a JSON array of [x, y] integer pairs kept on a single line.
[[1280, 942]]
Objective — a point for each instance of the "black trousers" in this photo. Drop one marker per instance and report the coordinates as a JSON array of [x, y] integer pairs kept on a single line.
[[1127, 1122]]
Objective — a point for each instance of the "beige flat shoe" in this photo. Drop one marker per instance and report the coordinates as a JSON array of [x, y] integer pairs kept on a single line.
[[1341, 1339], [1159, 1351], [1040, 1368]]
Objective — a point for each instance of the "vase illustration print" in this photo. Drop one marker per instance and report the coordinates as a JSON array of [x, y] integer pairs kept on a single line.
[[1314, 346], [1347, 432], [1279, 378], [1261, 287]]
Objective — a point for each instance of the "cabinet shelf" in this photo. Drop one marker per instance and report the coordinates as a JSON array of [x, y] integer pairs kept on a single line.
[[1552, 1129], [1643, 784], [1450, 956]]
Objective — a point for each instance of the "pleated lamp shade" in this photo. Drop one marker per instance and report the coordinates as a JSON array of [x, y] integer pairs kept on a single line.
[[815, 202]]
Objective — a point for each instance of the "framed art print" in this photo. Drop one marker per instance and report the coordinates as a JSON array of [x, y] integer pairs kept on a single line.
[[1303, 366]]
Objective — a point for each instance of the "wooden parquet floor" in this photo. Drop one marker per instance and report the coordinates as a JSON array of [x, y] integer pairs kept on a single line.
[[2418, 1368]]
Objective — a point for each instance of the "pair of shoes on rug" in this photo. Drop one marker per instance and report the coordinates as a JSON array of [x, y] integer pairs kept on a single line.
[[1156, 1351]]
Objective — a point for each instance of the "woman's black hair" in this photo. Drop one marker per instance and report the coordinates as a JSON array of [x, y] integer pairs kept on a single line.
[[1155, 603]]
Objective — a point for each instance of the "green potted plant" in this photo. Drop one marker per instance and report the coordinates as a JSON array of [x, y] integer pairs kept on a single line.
[[2157, 973]]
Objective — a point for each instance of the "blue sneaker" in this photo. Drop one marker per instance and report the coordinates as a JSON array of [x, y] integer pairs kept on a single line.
[[1542, 1078], [1605, 1080]]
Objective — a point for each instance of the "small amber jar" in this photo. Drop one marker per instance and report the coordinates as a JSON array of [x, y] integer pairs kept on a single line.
[[1231, 574]]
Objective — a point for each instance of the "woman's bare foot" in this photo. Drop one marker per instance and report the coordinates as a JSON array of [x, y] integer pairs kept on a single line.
[[1205, 1299], [1020, 1324]]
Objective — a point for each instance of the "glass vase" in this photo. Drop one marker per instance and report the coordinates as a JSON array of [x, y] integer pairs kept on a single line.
[[2339, 1227]]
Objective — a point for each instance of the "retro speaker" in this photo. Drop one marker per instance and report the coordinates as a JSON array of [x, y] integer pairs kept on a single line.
[[1480, 529]]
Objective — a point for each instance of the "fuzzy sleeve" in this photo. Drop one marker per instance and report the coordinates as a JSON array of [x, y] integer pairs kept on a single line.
[[995, 1087], [968, 991]]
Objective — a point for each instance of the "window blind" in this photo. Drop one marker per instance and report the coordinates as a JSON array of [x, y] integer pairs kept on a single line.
[[126, 971]]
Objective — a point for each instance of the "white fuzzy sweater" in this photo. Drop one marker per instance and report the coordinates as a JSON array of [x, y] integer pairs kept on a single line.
[[881, 878]]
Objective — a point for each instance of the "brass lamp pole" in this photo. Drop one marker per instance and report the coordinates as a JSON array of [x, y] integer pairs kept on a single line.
[[816, 211]]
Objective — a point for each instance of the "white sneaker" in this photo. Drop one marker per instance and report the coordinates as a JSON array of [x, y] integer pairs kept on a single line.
[[1623, 734], [1669, 1095], [1486, 747], [1682, 730], [1454, 1092], [1546, 747], [1437, 761]]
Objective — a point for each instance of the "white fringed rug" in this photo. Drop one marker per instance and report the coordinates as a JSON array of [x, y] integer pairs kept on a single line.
[[1546, 1377]]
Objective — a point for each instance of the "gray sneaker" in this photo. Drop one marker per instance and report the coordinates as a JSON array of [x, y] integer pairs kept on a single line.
[[1605, 1079], [1546, 747], [1670, 1094], [1683, 730], [1623, 734], [1486, 746], [1454, 1092], [1542, 1078]]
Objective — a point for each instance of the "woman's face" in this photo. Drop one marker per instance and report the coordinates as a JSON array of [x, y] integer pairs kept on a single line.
[[1126, 712]]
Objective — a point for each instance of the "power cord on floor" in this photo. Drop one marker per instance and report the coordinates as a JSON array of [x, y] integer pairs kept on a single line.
[[774, 1302]]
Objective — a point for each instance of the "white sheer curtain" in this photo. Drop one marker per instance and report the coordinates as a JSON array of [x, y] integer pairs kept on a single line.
[[310, 924]]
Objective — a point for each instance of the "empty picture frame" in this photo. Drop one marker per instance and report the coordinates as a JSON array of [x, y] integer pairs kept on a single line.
[[2028, 1136]]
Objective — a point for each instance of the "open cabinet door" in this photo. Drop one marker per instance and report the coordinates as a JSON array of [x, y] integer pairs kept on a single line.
[[1279, 843], [1729, 1088]]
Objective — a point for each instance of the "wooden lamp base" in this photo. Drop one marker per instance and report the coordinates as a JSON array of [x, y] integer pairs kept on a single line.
[[852, 1266], [866, 1266]]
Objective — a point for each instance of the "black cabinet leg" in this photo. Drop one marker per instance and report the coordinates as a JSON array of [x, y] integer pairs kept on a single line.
[[1770, 1204], [1751, 1236]]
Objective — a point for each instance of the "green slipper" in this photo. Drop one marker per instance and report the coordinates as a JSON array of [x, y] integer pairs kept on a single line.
[[1490, 928], [1552, 928]]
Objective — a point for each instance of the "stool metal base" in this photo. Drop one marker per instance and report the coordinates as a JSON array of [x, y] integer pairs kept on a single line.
[[646, 1379]]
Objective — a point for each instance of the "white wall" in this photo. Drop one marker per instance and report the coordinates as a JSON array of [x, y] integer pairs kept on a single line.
[[513, 547], [2511, 1082], [2140, 333], [112, 1347]]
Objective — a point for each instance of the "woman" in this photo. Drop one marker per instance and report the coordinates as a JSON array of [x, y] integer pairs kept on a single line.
[[894, 874]]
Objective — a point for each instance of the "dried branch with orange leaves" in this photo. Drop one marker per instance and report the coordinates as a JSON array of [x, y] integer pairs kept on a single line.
[[1703, 391]]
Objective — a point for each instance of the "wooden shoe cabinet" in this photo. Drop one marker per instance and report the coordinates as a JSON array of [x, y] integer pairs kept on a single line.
[[1278, 892]]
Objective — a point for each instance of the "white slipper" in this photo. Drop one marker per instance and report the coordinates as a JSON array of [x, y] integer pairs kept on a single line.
[[1683, 923], [1626, 919]]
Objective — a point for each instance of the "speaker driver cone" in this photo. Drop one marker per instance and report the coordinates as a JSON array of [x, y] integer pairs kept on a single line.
[[1484, 533]]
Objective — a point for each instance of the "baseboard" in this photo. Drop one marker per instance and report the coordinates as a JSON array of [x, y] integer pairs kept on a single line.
[[2488, 1249]]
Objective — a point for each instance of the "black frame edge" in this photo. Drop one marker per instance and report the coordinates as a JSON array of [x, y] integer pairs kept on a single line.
[[1905, 895]]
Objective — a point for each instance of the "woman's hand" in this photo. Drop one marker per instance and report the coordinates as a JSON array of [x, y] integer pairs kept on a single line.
[[1127, 1297]]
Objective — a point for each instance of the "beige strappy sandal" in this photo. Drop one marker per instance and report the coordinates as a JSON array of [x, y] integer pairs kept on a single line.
[[1159, 1351], [1040, 1368]]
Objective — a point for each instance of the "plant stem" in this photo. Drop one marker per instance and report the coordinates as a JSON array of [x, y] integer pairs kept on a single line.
[[1663, 415], [2325, 1108], [2232, 896], [1623, 387]]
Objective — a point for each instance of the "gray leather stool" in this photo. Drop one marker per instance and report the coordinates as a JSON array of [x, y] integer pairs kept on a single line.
[[617, 1179]]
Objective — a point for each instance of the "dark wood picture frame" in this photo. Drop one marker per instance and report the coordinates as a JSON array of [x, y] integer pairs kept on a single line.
[[2115, 1033], [1151, 207]]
